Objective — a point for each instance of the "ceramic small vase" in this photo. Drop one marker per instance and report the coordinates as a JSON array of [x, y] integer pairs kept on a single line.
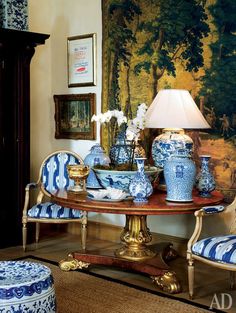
[[140, 186], [205, 182], [180, 174], [95, 157]]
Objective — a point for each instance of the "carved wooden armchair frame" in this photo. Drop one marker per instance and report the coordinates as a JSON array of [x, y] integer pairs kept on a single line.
[[217, 251], [52, 175]]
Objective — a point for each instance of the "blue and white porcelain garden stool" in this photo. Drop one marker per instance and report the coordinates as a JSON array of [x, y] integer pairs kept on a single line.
[[26, 287]]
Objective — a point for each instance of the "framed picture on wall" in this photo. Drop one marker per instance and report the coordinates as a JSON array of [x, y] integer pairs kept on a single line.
[[73, 116], [81, 58]]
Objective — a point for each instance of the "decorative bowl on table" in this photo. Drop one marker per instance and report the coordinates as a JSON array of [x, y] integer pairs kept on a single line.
[[121, 179], [109, 194], [98, 194]]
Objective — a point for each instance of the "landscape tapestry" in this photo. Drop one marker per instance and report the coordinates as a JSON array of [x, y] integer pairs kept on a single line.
[[150, 45]]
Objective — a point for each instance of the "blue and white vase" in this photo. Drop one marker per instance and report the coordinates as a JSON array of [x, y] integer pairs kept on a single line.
[[96, 156], [124, 150], [140, 186], [205, 182], [180, 174]]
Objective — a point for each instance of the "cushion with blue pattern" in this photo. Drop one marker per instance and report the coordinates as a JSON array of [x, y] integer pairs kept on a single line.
[[52, 210], [219, 249]]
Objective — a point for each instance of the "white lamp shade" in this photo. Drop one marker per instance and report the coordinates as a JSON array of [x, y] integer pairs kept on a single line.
[[174, 108]]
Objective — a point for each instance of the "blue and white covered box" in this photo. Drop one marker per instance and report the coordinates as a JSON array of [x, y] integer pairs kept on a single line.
[[14, 14]]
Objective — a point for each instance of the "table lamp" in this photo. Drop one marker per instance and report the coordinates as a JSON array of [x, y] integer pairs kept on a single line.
[[173, 110]]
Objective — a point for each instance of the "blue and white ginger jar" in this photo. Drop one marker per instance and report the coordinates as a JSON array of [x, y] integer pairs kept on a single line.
[[179, 174], [97, 156], [205, 182], [121, 152], [140, 186]]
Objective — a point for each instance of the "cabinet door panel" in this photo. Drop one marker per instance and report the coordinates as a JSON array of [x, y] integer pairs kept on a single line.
[[16, 51]]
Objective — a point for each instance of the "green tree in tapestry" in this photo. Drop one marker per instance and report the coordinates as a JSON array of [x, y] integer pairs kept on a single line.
[[219, 83], [150, 34], [173, 34], [120, 34]]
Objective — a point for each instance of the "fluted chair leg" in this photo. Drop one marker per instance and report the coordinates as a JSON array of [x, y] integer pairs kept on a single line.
[[83, 234], [24, 235], [190, 278], [37, 230], [232, 279]]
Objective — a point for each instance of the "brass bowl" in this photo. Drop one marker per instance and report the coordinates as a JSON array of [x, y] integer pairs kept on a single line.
[[78, 171]]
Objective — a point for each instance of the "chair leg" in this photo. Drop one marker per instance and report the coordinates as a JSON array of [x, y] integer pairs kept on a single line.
[[37, 230], [84, 233], [24, 235], [190, 278], [232, 279]]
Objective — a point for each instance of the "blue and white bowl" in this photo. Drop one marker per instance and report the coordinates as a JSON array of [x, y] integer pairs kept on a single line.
[[122, 179]]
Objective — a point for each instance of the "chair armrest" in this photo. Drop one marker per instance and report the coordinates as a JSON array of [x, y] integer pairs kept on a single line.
[[27, 196], [31, 185], [204, 211], [210, 210]]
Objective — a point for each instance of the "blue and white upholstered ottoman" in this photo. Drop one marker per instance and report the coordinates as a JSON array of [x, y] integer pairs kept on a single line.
[[26, 287]]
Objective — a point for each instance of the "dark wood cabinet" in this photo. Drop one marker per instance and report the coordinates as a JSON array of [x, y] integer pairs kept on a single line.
[[16, 51]]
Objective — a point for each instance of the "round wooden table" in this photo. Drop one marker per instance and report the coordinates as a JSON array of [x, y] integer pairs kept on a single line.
[[134, 253]]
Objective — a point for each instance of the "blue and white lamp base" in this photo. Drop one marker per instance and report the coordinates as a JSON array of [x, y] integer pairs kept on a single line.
[[166, 145]]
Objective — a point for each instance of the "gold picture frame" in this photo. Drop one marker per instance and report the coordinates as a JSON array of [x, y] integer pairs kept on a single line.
[[81, 59], [73, 114]]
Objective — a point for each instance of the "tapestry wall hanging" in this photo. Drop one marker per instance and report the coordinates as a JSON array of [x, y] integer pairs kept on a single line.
[[150, 45]]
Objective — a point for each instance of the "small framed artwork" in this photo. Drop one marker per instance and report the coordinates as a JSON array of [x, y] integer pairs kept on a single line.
[[73, 115], [81, 59]]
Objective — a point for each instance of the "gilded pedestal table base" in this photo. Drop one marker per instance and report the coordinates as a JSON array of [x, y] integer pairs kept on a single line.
[[135, 235]]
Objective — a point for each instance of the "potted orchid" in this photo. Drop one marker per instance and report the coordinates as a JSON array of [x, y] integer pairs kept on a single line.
[[123, 147], [123, 135]]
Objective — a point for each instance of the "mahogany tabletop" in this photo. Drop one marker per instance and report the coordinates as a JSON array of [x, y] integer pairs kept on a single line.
[[157, 205]]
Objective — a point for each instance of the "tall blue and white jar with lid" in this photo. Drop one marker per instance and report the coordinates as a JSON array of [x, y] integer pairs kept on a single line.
[[205, 182], [180, 174], [140, 186]]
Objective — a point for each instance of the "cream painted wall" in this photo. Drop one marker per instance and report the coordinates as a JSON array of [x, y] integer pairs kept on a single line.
[[62, 19]]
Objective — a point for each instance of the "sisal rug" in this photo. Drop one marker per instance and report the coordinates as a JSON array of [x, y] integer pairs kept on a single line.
[[80, 292]]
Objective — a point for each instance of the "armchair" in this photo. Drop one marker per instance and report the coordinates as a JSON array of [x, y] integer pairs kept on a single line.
[[218, 251], [52, 175]]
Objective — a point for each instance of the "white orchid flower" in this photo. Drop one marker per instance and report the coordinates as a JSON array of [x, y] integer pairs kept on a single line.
[[134, 126]]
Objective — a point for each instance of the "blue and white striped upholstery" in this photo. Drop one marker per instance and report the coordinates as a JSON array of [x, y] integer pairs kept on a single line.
[[54, 172], [52, 210], [219, 249]]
